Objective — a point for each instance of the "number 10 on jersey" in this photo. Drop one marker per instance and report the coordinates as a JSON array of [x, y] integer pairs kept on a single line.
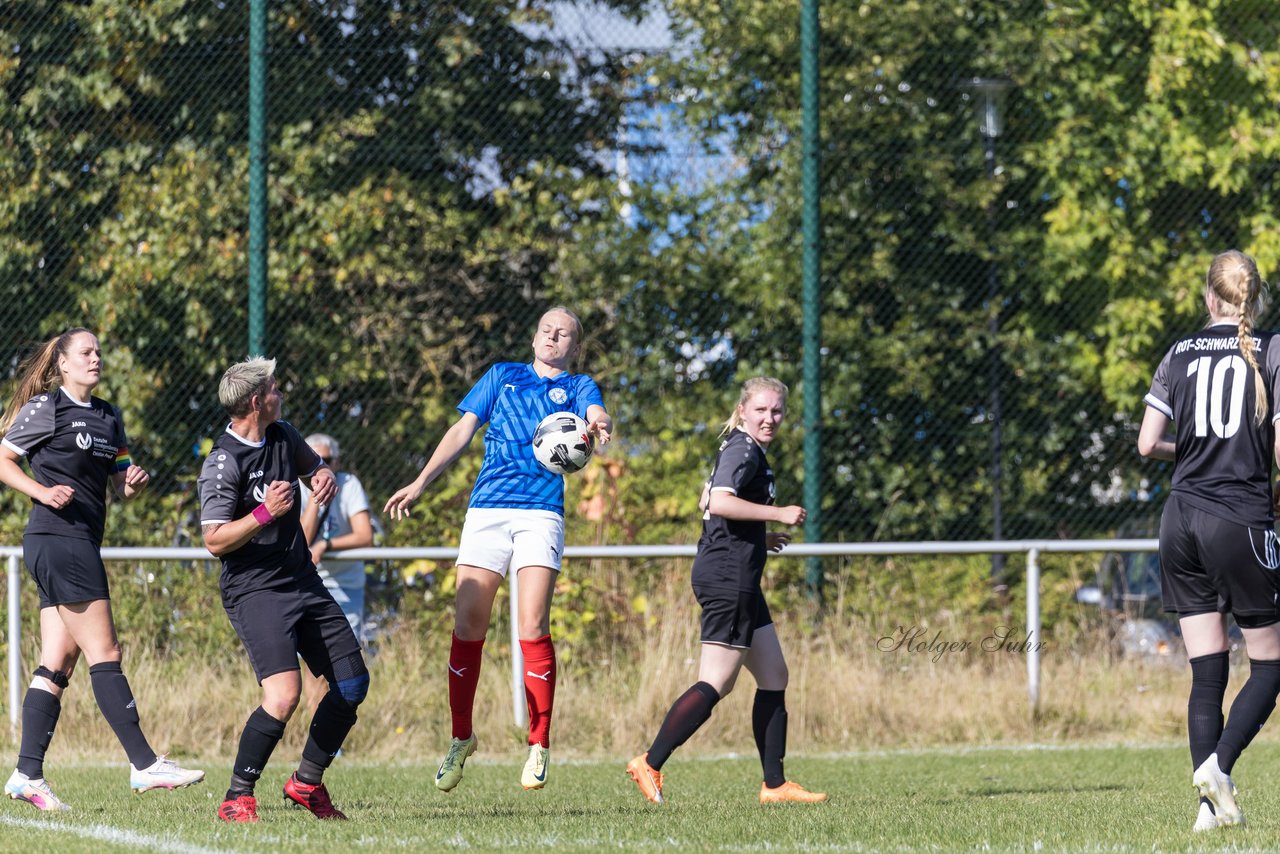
[[1211, 391]]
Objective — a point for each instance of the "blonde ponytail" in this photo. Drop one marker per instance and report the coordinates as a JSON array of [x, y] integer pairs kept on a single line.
[[1233, 278]]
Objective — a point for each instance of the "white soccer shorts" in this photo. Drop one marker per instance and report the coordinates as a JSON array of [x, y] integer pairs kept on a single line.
[[497, 538]]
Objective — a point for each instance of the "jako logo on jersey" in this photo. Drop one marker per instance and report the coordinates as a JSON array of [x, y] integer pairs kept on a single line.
[[258, 473], [260, 493], [558, 395], [75, 424], [84, 441]]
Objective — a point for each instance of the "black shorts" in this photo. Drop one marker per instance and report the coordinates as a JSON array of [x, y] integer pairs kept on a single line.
[[65, 569], [277, 626], [731, 617], [1210, 564]]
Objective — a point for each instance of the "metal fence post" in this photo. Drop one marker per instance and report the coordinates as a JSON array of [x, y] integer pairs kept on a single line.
[[518, 706], [15, 659], [1033, 631]]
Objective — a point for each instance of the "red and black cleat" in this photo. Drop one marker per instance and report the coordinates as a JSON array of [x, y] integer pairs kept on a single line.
[[243, 808], [314, 798]]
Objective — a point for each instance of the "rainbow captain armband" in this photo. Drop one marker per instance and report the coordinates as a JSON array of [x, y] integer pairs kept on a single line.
[[123, 460]]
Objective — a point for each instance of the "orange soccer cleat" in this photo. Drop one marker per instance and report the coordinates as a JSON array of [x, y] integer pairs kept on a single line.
[[649, 780], [790, 792]]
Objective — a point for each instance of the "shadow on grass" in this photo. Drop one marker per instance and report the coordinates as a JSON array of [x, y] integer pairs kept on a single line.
[[1062, 789], [472, 811]]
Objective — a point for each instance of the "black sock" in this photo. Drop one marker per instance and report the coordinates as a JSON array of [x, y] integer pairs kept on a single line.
[[769, 724], [1204, 706], [111, 690], [40, 710], [333, 720], [1249, 711], [261, 735], [690, 711]]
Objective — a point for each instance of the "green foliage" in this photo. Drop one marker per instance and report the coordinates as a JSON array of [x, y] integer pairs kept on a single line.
[[413, 220], [173, 611], [441, 175], [1124, 165]]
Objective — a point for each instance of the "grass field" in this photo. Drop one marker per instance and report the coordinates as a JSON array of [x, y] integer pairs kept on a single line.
[[1022, 799]]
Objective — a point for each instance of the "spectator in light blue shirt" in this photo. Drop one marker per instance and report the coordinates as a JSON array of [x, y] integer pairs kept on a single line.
[[343, 523]]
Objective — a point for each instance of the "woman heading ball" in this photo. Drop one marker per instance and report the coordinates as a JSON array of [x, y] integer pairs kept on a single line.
[[515, 521]]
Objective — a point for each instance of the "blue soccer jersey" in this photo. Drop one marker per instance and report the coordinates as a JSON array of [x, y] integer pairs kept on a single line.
[[512, 398]]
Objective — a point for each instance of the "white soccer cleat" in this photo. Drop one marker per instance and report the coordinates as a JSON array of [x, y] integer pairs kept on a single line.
[[34, 791], [449, 774], [1205, 819], [534, 775], [1217, 787], [164, 773]]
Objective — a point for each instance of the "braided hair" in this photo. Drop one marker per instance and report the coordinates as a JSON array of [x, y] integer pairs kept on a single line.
[[1233, 278]]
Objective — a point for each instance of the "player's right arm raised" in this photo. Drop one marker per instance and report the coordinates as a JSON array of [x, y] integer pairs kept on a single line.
[[452, 444]]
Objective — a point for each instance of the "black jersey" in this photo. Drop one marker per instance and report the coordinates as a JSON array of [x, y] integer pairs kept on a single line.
[[731, 552], [234, 480], [1204, 385], [75, 444]]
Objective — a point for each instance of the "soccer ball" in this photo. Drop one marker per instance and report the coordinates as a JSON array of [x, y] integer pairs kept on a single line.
[[562, 443]]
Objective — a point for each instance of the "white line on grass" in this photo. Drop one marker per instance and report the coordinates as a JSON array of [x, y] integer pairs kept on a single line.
[[114, 835]]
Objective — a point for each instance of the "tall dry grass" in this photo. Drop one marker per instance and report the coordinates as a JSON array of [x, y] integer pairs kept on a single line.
[[850, 690]]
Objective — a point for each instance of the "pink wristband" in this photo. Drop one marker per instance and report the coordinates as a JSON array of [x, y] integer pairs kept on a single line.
[[263, 515]]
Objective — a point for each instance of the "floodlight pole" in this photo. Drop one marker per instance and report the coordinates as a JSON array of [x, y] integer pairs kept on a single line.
[[991, 91]]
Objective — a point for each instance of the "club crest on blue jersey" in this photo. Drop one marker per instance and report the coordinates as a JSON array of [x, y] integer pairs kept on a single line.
[[512, 399]]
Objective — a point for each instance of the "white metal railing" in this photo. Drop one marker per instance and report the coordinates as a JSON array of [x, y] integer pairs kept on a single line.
[[1032, 548]]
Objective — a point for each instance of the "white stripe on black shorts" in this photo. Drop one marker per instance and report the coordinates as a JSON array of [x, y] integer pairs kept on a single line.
[[1208, 563]]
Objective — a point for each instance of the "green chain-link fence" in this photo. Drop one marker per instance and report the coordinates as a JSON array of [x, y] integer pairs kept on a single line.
[[441, 172]]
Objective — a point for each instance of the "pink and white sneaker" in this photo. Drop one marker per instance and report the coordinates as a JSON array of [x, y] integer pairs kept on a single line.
[[35, 792]]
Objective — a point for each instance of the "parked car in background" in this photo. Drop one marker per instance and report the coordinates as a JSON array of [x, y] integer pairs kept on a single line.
[[1127, 591]]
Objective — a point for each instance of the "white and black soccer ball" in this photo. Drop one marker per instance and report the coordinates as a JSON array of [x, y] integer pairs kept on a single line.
[[562, 443]]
